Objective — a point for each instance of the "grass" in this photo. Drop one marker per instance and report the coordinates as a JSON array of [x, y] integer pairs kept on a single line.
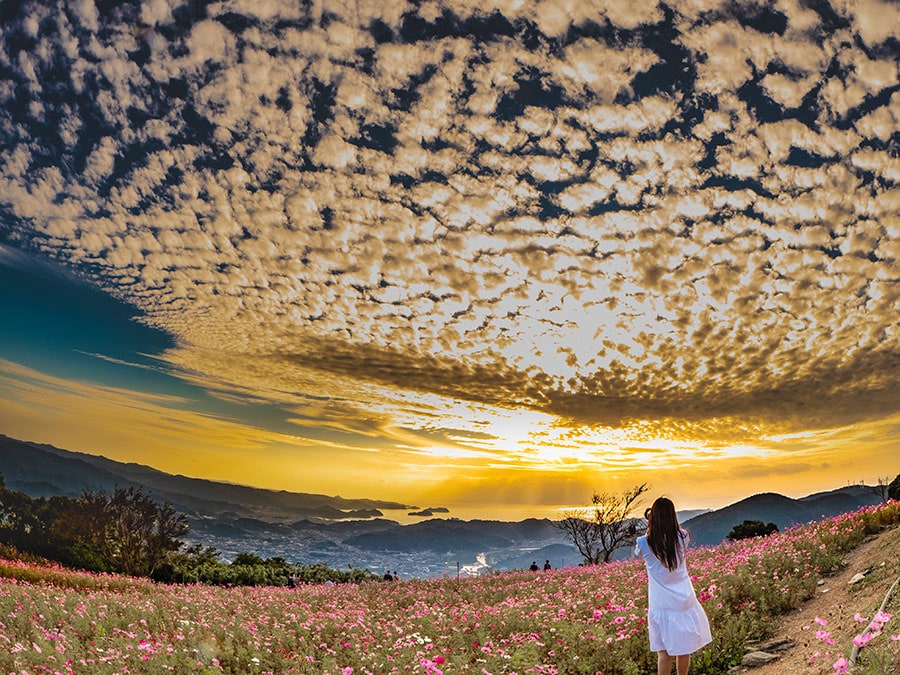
[[576, 620], [881, 655]]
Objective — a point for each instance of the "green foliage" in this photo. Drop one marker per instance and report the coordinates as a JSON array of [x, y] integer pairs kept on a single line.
[[894, 488], [751, 528], [578, 621], [881, 656], [83, 556], [27, 523], [730, 638], [201, 565], [127, 532], [247, 560]]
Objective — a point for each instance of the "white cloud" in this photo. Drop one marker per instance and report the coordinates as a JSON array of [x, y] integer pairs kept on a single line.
[[882, 122], [438, 267], [155, 12], [209, 41], [787, 91], [876, 21], [86, 11]]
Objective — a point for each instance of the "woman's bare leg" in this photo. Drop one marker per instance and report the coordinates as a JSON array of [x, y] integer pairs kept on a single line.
[[682, 663], [663, 663]]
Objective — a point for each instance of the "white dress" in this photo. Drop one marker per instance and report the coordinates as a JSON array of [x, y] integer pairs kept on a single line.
[[675, 618]]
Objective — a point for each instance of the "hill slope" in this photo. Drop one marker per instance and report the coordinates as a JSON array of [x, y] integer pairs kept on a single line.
[[338, 531], [712, 527], [44, 470]]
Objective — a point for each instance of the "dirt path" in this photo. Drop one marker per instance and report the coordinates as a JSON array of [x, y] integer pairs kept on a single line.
[[837, 602]]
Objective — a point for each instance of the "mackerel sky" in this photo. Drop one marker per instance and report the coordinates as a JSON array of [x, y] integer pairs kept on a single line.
[[456, 253]]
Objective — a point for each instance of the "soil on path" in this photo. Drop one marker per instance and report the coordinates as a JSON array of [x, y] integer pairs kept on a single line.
[[837, 602]]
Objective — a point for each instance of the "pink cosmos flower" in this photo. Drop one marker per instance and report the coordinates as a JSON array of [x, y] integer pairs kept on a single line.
[[430, 667], [825, 637], [862, 640], [840, 666]]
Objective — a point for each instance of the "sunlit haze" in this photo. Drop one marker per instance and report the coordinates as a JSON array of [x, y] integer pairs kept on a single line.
[[489, 256]]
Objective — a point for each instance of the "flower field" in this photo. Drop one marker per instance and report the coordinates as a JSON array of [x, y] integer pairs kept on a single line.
[[579, 620]]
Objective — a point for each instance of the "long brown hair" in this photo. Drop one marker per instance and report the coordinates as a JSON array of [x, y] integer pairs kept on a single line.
[[664, 534]]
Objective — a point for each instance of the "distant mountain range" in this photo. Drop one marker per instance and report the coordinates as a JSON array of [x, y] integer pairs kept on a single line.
[[44, 470], [712, 527], [309, 528]]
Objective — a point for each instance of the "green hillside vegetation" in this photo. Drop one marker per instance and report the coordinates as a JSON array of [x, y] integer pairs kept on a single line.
[[127, 532], [43, 470], [751, 528], [576, 621]]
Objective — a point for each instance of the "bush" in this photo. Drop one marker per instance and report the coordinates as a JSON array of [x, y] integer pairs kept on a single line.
[[579, 621], [751, 528], [894, 488], [199, 565]]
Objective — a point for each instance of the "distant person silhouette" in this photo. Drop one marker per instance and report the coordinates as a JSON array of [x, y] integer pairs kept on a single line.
[[388, 576], [396, 575], [534, 567], [547, 566], [676, 622]]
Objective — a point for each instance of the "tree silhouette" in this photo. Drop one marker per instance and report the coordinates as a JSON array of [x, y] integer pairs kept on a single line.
[[882, 487], [894, 488], [608, 526], [127, 530], [751, 528]]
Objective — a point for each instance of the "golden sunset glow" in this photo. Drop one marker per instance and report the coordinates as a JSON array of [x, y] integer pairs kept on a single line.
[[456, 253]]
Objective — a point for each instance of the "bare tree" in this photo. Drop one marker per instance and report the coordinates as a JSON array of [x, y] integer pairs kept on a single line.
[[608, 525], [882, 488]]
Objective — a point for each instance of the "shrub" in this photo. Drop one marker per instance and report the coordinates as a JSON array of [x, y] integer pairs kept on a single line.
[[751, 528], [577, 620]]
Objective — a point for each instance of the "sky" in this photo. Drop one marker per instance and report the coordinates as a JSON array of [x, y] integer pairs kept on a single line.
[[491, 256]]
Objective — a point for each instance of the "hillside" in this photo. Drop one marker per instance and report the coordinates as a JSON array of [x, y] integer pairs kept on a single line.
[[840, 600], [458, 536], [712, 527], [300, 527], [516, 622], [311, 528], [44, 470]]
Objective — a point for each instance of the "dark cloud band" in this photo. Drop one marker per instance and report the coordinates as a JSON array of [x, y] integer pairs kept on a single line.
[[681, 215]]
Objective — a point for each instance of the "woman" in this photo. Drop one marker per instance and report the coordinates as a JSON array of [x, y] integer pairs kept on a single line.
[[676, 621]]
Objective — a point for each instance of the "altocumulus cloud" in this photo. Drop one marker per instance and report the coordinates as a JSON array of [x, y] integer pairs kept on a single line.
[[610, 212]]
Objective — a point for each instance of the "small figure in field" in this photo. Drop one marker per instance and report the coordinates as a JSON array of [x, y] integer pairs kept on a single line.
[[388, 576], [547, 565], [677, 624], [534, 567], [292, 581], [396, 575]]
